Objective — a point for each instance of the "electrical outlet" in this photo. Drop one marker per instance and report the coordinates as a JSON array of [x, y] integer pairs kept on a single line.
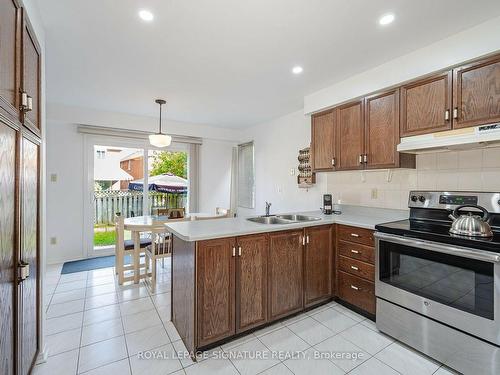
[[53, 240], [374, 193], [53, 177], [292, 172]]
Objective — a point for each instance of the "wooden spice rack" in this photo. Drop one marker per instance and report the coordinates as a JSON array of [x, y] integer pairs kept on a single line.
[[306, 177]]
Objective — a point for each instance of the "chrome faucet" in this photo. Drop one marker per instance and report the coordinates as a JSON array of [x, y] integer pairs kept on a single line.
[[268, 208]]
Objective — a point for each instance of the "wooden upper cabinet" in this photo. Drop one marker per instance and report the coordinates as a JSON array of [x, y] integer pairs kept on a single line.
[[382, 132], [318, 264], [9, 58], [251, 281], [426, 105], [350, 143], [285, 274], [476, 94], [31, 77], [215, 292], [323, 140]]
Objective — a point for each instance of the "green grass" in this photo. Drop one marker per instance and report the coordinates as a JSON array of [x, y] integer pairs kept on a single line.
[[105, 235], [104, 238]]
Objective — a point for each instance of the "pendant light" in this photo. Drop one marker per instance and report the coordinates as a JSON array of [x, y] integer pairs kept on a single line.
[[159, 139]]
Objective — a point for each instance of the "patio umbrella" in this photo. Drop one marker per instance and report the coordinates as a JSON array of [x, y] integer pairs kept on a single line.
[[163, 183]]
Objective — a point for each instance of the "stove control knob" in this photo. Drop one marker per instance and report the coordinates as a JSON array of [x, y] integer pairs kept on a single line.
[[421, 199], [414, 198]]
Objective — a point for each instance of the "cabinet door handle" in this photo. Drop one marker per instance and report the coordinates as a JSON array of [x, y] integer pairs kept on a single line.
[[455, 112], [24, 101], [354, 287], [234, 251], [365, 158], [354, 235], [24, 271], [239, 251], [307, 239], [447, 115], [360, 158], [303, 241], [355, 251], [333, 162], [30, 103], [354, 268]]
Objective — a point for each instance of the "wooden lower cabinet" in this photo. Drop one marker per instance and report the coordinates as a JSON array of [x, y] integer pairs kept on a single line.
[[354, 234], [215, 281], [244, 282], [356, 267], [285, 275], [318, 264], [251, 281], [357, 291]]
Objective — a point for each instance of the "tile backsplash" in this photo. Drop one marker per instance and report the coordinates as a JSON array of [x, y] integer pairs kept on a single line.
[[477, 170]]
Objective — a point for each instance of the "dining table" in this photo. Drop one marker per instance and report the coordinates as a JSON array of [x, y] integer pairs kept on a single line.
[[147, 223], [137, 225]]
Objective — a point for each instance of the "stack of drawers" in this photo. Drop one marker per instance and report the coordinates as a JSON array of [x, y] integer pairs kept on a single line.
[[356, 267]]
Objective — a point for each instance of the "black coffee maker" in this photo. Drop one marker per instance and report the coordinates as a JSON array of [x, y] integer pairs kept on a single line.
[[327, 204]]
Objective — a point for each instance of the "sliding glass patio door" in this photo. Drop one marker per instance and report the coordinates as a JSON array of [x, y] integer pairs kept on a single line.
[[131, 178]]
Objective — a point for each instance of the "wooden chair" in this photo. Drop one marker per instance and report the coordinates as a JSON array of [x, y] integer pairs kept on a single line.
[[160, 248], [172, 213], [125, 247]]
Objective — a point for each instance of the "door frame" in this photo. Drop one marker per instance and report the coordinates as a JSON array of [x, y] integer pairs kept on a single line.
[[89, 141]]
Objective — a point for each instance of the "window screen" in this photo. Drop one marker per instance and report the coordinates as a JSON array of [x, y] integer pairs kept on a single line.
[[246, 177]]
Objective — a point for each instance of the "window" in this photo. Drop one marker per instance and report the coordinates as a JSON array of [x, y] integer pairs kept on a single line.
[[246, 176]]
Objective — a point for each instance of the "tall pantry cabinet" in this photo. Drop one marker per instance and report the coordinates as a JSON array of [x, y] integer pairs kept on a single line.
[[20, 140]]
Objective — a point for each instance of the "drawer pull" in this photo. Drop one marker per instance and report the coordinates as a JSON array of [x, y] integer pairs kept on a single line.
[[354, 235], [355, 251], [354, 287], [354, 268]]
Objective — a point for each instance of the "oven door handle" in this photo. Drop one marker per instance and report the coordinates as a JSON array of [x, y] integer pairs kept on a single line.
[[464, 252]]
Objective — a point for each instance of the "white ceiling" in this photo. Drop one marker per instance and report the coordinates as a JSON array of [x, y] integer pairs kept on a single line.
[[228, 62]]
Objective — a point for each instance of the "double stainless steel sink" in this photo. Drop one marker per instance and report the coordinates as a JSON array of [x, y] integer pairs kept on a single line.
[[283, 219]]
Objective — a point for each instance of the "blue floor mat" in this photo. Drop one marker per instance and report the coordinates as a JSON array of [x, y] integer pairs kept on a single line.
[[91, 264]]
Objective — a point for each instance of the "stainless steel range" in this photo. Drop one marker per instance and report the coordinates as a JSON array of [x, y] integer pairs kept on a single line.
[[439, 291]]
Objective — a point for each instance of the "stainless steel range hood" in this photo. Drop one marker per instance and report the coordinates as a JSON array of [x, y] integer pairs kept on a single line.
[[459, 139]]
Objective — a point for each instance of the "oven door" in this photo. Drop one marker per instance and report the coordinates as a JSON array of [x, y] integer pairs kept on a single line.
[[454, 285]]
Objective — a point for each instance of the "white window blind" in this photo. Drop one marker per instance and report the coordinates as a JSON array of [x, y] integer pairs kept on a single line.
[[246, 176]]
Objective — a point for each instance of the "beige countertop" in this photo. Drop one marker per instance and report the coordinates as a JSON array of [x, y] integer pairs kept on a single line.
[[364, 217]]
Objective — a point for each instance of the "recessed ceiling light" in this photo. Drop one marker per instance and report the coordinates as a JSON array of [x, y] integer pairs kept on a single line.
[[386, 19], [297, 70], [146, 15]]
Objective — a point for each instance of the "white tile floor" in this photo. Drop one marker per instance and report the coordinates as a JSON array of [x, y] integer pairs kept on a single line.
[[94, 326]]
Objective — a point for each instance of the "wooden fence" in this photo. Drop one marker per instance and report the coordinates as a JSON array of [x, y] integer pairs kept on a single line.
[[130, 203]]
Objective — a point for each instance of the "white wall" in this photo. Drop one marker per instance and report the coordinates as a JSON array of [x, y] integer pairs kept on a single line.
[[276, 149], [474, 170], [65, 153], [65, 196], [466, 45], [215, 175]]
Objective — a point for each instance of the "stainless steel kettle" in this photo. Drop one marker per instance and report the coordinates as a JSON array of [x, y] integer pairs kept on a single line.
[[469, 224]]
